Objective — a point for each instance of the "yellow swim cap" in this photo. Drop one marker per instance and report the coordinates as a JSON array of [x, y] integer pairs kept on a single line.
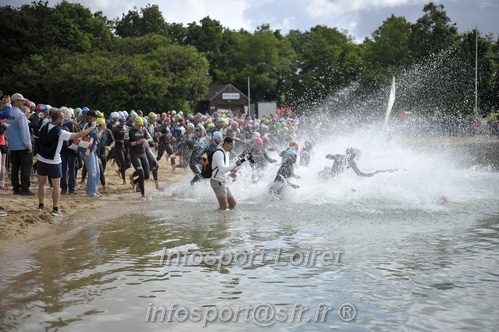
[[139, 121]]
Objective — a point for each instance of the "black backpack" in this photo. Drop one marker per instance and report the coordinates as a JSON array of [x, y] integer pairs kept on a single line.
[[206, 159], [72, 128]]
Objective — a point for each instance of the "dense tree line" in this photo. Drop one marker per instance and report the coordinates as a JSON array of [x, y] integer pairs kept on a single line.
[[68, 55]]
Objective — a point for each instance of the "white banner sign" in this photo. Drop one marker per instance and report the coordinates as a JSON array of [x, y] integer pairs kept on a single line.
[[230, 95]]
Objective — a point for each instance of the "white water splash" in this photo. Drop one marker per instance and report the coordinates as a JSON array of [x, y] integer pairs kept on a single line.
[[423, 178], [391, 101]]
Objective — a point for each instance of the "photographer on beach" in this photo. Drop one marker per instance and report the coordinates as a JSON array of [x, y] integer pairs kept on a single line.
[[220, 166]]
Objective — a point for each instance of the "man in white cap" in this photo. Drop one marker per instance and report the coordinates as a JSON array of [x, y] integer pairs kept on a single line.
[[21, 148]]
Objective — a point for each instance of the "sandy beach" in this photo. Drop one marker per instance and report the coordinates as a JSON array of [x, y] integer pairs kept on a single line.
[[24, 221]]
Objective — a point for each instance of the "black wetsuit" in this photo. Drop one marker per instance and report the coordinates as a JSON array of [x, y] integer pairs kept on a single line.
[[199, 145], [305, 157], [107, 139], [139, 157], [165, 144], [285, 172], [342, 163], [110, 124], [120, 135], [153, 162], [261, 159]]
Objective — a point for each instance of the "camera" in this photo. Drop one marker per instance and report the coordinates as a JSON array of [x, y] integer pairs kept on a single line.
[[247, 156]]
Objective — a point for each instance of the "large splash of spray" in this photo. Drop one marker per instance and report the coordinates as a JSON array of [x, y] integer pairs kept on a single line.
[[353, 117]]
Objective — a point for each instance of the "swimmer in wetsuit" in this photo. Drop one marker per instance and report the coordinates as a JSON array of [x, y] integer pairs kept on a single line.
[[346, 161], [285, 172]]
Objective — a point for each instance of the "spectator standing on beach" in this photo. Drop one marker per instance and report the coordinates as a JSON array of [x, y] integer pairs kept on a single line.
[[50, 142], [5, 112], [3, 153], [69, 157], [91, 160], [21, 148]]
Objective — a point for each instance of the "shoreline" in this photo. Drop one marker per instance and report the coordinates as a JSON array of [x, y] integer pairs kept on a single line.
[[25, 224]]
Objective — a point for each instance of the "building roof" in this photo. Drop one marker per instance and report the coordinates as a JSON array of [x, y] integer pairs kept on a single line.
[[218, 89]]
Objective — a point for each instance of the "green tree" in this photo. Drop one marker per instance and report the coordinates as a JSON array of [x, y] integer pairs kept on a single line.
[[262, 57], [432, 33], [154, 75], [493, 97], [327, 61], [140, 23], [37, 29], [176, 32], [386, 51], [76, 29], [206, 37], [487, 69]]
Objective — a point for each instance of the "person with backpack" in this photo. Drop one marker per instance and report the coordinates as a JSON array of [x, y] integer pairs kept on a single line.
[[220, 166], [50, 142], [216, 140]]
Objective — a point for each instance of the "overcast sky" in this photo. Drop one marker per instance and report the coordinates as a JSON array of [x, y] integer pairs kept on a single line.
[[359, 17]]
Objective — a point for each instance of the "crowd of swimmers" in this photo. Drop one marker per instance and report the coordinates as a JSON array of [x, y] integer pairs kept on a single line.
[[138, 140]]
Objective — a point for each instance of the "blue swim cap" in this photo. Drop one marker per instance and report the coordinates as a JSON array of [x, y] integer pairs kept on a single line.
[[216, 135], [84, 110], [291, 153], [122, 118]]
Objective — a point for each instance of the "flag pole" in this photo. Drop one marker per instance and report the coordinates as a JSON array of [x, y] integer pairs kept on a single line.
[[476, 71]]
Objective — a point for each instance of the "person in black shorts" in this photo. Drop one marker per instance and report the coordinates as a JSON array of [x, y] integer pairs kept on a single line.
[[50, 141]]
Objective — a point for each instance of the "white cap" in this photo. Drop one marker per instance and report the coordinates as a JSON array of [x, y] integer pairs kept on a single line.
[[17, 96]]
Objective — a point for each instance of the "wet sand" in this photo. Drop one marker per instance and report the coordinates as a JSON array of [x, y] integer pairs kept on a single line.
[[25, 223]]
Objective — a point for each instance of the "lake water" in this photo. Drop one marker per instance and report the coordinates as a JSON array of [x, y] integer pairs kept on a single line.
[[412, 250]]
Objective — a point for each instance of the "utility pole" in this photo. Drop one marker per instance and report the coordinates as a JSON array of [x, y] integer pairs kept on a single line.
[[249, 97], [476, 71]]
